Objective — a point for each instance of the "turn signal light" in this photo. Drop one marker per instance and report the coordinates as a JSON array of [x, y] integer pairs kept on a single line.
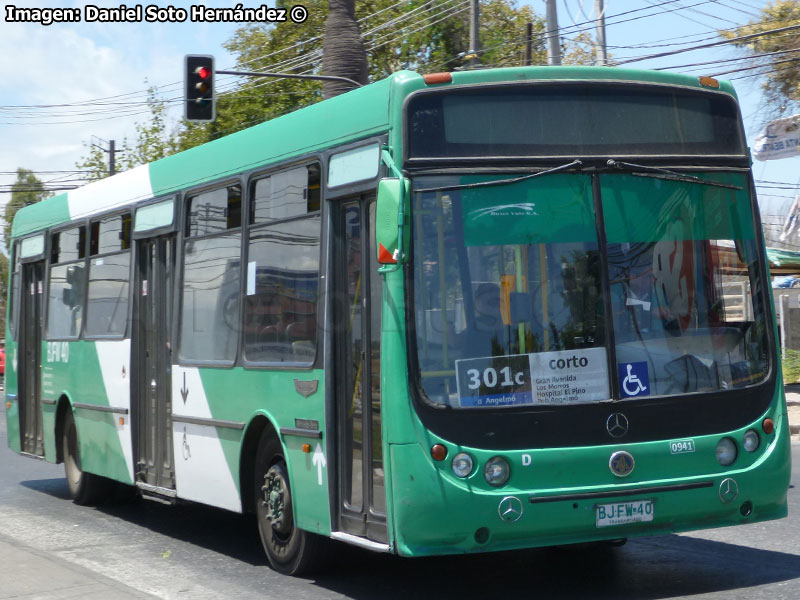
[[306, 448], [768, 426]]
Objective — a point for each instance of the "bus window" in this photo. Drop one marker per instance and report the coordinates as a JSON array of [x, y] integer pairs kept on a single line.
[[681, 269], [67, 278], [281, 306], [214, 211], [286, 194], [496, 278], [109, 273], [212, 248]]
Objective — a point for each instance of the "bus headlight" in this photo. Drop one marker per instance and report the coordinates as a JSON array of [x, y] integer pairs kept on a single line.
[[726, 452], [497, 471], [462, 464], [751, 440]]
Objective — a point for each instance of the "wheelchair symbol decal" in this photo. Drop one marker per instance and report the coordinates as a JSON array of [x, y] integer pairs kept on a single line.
[[634, 379]]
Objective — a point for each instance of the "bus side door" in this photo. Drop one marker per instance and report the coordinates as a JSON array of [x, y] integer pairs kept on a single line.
[[362, 497]]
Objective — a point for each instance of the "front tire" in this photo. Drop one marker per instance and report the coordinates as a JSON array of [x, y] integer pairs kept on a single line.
[[290, 550], [85, 488]]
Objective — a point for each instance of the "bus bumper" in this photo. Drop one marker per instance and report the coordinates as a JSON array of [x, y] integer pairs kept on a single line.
[[435, 513]]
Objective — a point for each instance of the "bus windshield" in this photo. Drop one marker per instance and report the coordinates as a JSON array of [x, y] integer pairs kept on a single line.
[[516, 301]]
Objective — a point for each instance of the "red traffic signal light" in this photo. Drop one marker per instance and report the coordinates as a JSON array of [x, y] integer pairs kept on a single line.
[[199, 96]]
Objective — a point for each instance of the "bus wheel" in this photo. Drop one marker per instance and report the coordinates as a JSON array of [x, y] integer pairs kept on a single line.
[[85, 488], [290, 550]]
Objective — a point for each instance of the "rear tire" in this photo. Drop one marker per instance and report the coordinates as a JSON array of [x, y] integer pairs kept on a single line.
[[85, 488], [290, 550]]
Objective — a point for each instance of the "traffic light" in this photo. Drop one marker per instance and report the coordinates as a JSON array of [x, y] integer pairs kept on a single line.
[[199, 101]]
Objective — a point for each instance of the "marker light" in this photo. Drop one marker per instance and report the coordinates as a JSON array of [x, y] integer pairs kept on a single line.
[[497, 471], [438, 452], [751, 440], [709, 82], [462, 464], [768, 426], [726, 452], [433, 78]]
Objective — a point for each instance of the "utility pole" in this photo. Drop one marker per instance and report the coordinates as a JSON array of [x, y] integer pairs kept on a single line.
[[474, 41], [602, 54], [553, 45], [528, 43], [111, 158], [112, 169]]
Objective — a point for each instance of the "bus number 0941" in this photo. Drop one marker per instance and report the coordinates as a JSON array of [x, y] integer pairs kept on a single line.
[[490, 378]]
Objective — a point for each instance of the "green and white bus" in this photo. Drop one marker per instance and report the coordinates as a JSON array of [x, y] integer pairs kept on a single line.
[[438, 314]]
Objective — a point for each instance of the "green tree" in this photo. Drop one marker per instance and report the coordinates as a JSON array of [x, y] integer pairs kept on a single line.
[[27, 189], [782, 77]]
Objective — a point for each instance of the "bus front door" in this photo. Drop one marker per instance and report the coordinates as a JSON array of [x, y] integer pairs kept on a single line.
[[362, 504], [30, 359], [151, 365]]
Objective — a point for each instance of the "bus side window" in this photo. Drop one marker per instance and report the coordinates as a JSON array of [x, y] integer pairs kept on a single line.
[[283, 267], [109, 272], [211, 276], [65, 300]]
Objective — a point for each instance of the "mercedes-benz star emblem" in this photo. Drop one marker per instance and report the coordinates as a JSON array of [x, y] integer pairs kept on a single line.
[[621, 463], [617, 425], [728, 490], [510, 509]]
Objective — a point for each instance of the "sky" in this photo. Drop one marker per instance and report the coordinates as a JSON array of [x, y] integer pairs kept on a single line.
[[107, 67]]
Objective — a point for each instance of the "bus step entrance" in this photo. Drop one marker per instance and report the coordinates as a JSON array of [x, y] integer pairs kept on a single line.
[[157, 494]]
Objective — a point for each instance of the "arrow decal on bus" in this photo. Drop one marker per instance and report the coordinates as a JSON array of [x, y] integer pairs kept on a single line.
[[319, 462], [184, 389]]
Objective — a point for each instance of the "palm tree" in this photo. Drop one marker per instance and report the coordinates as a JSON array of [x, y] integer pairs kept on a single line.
[[343, 52]]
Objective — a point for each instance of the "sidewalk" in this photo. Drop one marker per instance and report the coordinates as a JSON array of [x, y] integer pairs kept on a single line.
[[27, 574]]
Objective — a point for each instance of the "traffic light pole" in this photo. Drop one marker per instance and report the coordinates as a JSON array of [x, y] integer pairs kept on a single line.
[[288, 76]]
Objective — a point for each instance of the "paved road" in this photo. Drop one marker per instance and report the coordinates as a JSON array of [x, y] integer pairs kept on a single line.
[[53, 549]]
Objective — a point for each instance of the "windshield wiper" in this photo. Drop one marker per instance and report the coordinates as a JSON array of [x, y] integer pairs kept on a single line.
[[660, 173], [466, 186]]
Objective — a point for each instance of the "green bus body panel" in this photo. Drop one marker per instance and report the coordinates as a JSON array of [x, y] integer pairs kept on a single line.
[[564, 73], [234, 393], [12, 404], [80, 380], [426, 493], [41, 215]]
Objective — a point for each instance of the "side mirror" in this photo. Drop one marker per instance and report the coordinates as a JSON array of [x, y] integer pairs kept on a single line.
[[391, 194]]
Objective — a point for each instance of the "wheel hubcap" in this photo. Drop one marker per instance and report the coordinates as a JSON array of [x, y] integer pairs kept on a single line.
[[276, 502]]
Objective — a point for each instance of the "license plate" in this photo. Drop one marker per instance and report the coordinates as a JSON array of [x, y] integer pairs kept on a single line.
[[619, 513]]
